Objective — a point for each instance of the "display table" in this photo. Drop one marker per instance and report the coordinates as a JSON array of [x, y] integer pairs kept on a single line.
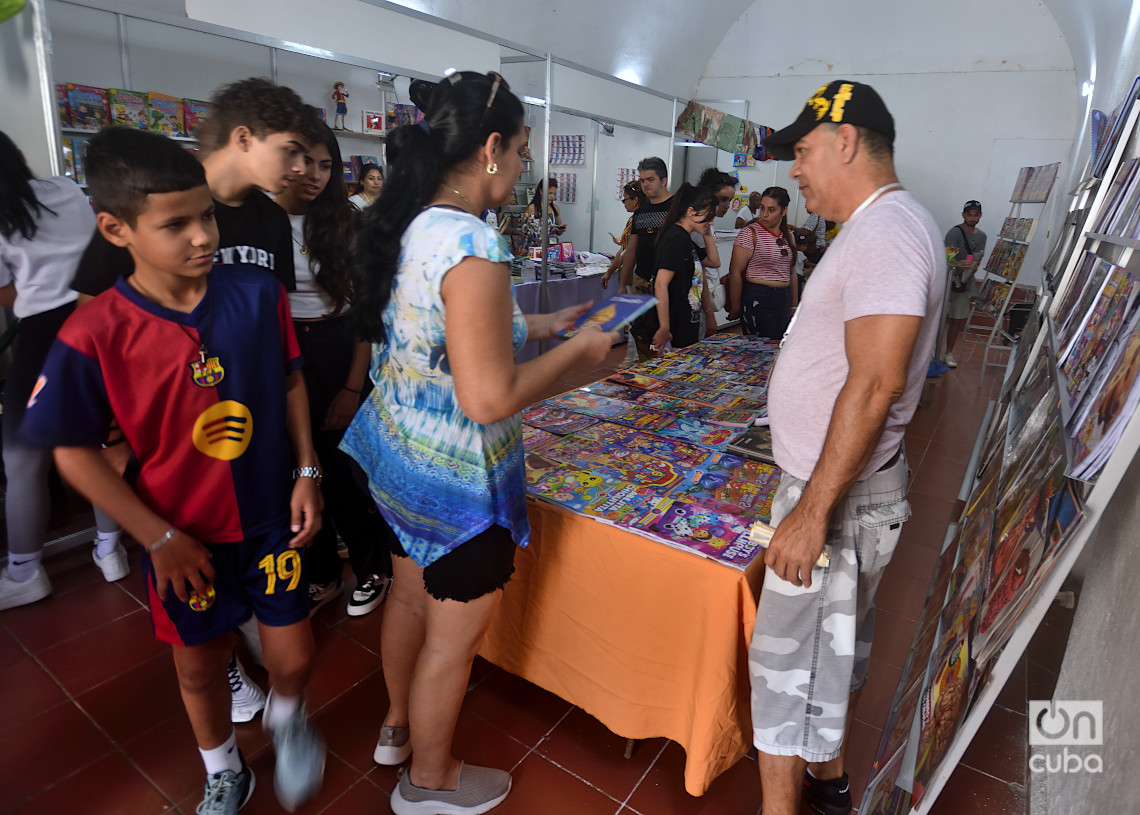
[[649, 640]]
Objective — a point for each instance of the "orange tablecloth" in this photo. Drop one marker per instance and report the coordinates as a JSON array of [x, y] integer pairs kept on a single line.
[[649, 640]]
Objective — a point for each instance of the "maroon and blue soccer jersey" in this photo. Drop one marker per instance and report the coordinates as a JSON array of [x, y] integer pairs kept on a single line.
[[214, 459]]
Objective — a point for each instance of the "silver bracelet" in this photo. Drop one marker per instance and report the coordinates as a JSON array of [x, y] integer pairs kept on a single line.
[[161, 542]]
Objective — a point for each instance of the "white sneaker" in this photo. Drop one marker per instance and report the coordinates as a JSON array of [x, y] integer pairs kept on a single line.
[[950, 363], [13, 594], [114, 566], [246, 699]]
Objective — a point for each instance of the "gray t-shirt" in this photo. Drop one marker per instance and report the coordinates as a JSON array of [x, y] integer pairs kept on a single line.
[[888, 259], [975, 247]]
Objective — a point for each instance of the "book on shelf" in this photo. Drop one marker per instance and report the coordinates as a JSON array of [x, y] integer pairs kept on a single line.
[[992, 296], [1085, 351], [1098, 130], [165, 114], [612, 314], [942, 705], [194, 115], [1117, 193], [128, 108], [1119, 117], [88, 106], [62, 106], [883, 795]]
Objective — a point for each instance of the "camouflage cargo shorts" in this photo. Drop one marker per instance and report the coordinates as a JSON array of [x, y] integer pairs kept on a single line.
[[811, 647]]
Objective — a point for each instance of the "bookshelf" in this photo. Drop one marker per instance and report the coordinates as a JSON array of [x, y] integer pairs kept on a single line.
[[1034, 430]]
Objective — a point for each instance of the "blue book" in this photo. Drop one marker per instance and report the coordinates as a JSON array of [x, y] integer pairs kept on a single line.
[[613, 314]]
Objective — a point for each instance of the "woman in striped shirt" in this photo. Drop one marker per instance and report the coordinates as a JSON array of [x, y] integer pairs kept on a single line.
[[762, 284]]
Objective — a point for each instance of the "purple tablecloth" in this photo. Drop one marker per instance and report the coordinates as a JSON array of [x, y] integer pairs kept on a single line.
[[563, 292]]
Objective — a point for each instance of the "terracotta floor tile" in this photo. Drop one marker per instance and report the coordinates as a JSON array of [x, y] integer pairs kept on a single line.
[[957, 453], [338, 778], [364, 631], [935, 478], [339, 664], [52, 746], [1047, 647], [514, 705], [28, 691], [73, 569], [975, 793], [584, 746], [110, 786], [350, 724], [1013, 693], [735, 792], [536, 785], [913, 561], [10, 649], [105, 652], [480, 744], [902, 595], [168, 756], [131, 705], [1040, 683], [893, 636], [930, 515], [875, 700], [361, 797], [60, 617], [862, 744], [1001, 746]]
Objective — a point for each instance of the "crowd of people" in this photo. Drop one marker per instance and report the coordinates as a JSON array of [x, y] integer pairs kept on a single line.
[[237, 381]]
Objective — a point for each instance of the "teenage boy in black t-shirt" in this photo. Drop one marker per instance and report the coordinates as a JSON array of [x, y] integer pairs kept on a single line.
[[255, 139], [639, 261]]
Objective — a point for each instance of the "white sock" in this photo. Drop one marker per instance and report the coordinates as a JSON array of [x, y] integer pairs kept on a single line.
[[22, 567], [106, 542], [223, 757], [279, 710]]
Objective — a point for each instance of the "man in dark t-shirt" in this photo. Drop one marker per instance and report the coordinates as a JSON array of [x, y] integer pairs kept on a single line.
[[639, 261]]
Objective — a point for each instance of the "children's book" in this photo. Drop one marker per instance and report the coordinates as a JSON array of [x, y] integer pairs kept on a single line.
[[359, 163], [635, 379], [898, 725], [62, 106], [942, 706], [625, 504], [718, 535], [1097, 332], [535, 439], [613, 313], [128, 108], [1109, 404], [726, 494], [656, 400], [605, 432], [556, 419], [575, 489], [742, 469], [679, 452], [194, 115], [538, 467], [68, 153], [733, 417], [613, 390], [574, 448], [883, 795], [164, 114], [637, 468], [699, 432], [614, 410], [88, 105], [1078, 298]]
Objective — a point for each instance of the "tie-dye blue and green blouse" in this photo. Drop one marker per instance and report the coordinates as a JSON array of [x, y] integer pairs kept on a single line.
[[439, 478]]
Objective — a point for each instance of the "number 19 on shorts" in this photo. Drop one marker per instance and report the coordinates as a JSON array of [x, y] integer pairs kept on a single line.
[[283, 566]]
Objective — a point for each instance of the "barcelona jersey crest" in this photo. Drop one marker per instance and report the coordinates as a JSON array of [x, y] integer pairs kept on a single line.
[[208, 373]]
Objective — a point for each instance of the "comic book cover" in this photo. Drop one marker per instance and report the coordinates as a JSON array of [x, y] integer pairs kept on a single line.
[[1078, 297], [883, 796], [636, 468], [657, 400], [556, 419], [128, 108], [538, 467], [194, 115], [613, 313], [613, 390], [575, 448], [726, 494], [164, 114], [1097, 332], [1110, 404], [637, 380], [678, 452], [898, 726], [535, 439], [62, 105], [606, 432], [702, 433], [942, 706], [624, 504], [719, 535], [614, 410], [574, 489], [88, 107], [742, 469]]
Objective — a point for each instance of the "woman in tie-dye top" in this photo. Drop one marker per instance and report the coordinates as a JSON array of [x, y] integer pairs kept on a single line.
[[440, 437]]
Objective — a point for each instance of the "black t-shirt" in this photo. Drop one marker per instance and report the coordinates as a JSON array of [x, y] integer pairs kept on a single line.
[[255, 234], [677, 253], [647, 220]]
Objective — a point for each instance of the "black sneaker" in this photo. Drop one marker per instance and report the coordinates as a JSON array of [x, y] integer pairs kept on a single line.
[[827, 797], [369, 595], [321, 593]]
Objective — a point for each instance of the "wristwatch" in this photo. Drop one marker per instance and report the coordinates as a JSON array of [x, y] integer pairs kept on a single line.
[[308, 472]]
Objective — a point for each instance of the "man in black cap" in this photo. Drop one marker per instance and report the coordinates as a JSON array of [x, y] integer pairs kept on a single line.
[[971, 245], [845, 385]]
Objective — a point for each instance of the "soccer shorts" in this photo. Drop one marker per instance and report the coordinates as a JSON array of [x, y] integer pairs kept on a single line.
[[260, 576], [811, 647]]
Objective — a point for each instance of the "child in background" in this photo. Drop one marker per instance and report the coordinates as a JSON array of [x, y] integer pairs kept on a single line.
[[188, 361]]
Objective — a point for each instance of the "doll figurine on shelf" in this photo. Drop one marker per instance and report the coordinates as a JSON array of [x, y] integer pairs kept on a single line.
[[339, 94]]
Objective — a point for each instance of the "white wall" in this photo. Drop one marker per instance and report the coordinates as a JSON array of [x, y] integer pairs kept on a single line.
[[969, 110], [29, 120]]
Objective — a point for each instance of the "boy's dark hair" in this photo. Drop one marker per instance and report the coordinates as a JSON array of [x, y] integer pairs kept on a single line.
[[261, 106], [655, 164], [125, 165], [716, 179], [461, 111]]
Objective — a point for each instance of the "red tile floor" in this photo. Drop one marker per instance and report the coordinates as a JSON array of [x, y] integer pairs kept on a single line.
[[91, 719]]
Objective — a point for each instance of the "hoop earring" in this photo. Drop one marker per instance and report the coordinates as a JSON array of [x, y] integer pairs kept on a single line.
[[492, 169]]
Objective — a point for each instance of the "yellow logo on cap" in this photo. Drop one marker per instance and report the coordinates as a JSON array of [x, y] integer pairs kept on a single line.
[[223, 430], [819, 103], [840, 99]]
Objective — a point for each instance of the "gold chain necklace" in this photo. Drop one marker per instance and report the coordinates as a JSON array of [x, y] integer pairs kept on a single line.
[[461, 195]]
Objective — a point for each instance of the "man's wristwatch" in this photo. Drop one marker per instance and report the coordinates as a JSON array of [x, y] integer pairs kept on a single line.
[[308, 472]]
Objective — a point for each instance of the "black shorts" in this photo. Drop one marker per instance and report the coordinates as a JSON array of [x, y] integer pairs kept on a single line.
[[475, 568]]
